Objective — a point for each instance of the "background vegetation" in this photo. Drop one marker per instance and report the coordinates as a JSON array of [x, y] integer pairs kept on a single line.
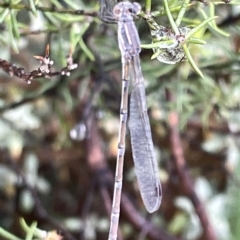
[[66, 185]]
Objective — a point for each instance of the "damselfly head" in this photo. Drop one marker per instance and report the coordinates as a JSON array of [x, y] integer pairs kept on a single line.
[[126, 9]]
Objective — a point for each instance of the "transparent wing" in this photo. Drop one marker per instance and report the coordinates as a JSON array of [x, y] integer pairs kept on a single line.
[[143, 152]]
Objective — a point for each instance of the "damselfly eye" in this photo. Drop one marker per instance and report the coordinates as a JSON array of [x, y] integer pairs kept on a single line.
[[117, 11], [136, 8]]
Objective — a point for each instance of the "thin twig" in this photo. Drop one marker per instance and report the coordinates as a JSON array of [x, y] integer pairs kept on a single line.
[[44, 71], [184, 177], [51, 10]]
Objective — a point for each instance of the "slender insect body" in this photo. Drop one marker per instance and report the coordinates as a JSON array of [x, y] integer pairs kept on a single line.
[[141, 138]]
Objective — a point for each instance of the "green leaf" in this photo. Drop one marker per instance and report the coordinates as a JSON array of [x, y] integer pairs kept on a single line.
[[194, 30], [4, 15], [14, 23], [33, 7], [191, 61], [11, 34], [8, 235]]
